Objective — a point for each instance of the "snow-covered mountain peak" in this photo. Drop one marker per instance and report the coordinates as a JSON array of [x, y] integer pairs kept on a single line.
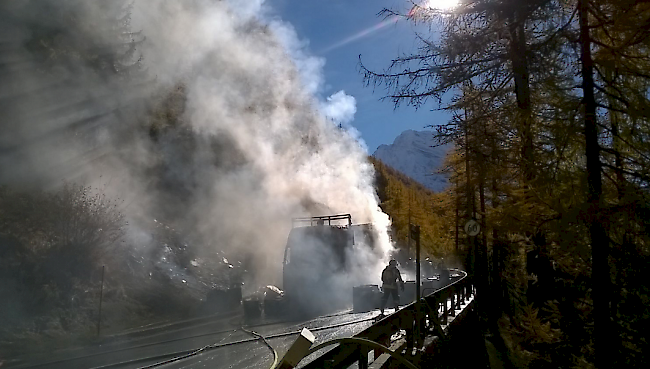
[[413, 154]]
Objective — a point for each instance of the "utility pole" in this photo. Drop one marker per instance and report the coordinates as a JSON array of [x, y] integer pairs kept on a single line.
[[470, 209], [408, 239], [457, 212], [475, 261], [101, 295], [415, 233], [414, 230]]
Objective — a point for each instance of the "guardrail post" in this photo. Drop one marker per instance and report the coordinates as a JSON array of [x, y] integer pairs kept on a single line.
[[363, 357], [445, 312], [432, 309], [452, 292], [421, 323], [463, 291], [384, 340], [407, 322]]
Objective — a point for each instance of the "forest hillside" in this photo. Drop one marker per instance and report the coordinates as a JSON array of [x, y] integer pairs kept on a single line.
[[406, 200]]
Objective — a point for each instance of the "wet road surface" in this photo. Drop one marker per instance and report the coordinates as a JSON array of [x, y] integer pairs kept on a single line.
[[233, 347], [230, 346]]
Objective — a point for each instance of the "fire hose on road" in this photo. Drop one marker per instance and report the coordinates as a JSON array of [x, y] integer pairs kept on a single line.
[[182, 355], [275, 353], [455, 293]]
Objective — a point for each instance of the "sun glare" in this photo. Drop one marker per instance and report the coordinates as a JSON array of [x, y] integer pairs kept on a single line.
[[441, 4]]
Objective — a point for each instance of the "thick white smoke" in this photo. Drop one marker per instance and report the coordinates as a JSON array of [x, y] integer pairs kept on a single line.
[[248, 84], [340, 108], [253, 80]]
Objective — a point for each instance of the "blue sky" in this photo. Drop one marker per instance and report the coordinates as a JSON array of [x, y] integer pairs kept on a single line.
[[338, 31]]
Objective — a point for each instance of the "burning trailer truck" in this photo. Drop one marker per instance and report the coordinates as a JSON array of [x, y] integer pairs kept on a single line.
[[321, 265], [325, 268]]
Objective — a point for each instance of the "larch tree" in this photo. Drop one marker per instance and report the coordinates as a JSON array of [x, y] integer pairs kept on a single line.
[[497, 48], [550, 117]]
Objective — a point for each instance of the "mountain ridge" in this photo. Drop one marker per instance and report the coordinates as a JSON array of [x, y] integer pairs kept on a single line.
[[417, 155]]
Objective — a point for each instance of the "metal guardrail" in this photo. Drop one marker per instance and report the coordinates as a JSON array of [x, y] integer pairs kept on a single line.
[[420, 320]]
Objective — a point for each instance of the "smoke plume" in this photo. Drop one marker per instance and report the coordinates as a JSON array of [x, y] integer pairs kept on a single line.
[[252, 145]]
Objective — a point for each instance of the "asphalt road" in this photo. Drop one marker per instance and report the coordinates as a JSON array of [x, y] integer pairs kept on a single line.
[[257, 355], [230, 346], [238, 348]]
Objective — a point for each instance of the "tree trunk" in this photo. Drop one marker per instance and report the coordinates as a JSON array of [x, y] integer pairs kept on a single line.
[[521, 75], [457, 213], [482, 253], [497, 263], [599, 243]]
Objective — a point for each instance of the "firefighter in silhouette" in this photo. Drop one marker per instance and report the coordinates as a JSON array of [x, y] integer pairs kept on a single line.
[[390, 279]]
